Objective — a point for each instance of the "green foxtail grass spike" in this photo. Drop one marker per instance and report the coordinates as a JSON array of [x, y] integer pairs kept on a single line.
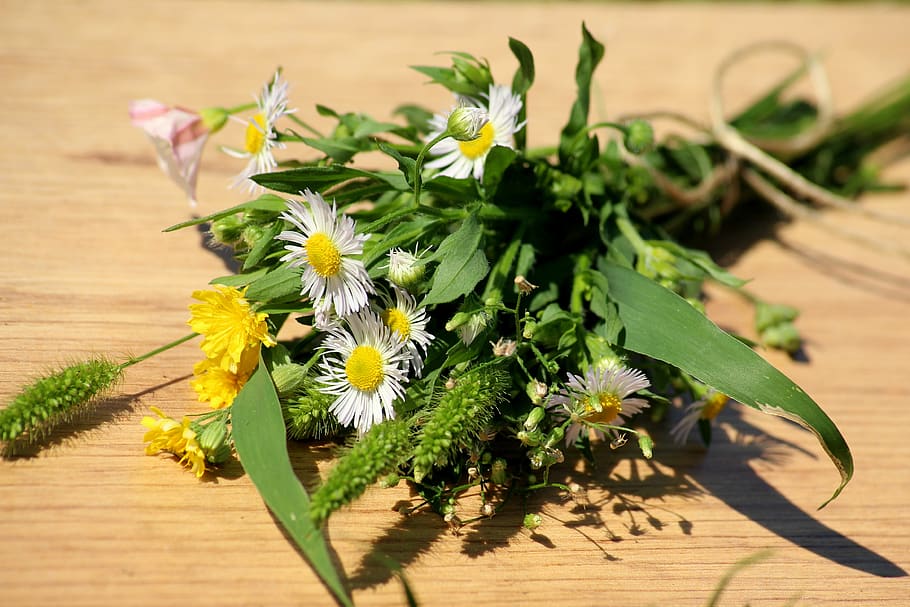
[[308, 417], [461, 414], [55, 399], [378, 452]]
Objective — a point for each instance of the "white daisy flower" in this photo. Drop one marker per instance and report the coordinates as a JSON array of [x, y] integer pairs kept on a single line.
[[261, 137], [325, 245], [364, 367], [460, 159], [706, 408], [409, 323], [600, 398]]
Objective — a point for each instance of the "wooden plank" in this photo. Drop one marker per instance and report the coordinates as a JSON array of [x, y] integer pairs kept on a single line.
[[85, 269]]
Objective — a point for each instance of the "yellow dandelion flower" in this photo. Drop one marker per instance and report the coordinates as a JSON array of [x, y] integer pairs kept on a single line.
[[219, 387], [178, 438], [229, 325]]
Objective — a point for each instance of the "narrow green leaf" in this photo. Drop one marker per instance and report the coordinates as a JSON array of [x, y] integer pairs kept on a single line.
[[408, 166], [524, 75], [498, 161], [589, 55], [660, 324], [316, 178], [279, 284], [266, 202], [259, 437]]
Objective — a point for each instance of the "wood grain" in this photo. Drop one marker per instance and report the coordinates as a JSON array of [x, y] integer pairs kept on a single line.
[[85, 269]]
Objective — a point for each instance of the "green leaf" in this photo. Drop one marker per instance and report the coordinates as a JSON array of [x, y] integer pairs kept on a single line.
[[408, 166], [498, 160], [463, 264], [589, 55], [266, 202], [316, 178], [456, 277], [281, 283], [524, 75], [261, 443], [660, 324]]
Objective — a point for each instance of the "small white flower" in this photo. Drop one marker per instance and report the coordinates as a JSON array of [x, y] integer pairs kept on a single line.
[[409, 323], [325, 245], [460, 159], [706, 408], [600, 398], [364, 368], [261, 137]]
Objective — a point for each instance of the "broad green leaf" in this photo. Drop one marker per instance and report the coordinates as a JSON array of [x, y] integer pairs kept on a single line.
[[660, 324], [408, 166], [262, 246], [266, 202], [456, 277], [443, 186], [462, 264], [261, 443]]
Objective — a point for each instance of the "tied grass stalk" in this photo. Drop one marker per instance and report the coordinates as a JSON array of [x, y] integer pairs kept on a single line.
[[461, 414], [378, 452]]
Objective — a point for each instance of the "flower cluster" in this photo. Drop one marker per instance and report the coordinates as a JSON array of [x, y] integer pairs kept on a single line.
[[531, 305], [232, 337]]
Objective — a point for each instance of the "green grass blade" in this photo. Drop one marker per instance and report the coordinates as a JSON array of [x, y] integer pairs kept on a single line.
[[259, 437], [662, 325]]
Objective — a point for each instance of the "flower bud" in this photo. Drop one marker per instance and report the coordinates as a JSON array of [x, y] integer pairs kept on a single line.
[[639, 137], [646, 444], [214, 118], [534, 418], [215, 440], [524, 287], [499, 474], [465, 122], [227, 230], [532, 521], [783, 336], [289, 378], [555, 437], [405, 269]]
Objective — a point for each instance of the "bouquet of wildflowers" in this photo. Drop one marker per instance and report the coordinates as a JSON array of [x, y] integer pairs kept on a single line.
[[472, 314]]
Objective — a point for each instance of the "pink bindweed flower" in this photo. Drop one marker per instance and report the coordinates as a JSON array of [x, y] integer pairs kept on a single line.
[[179, 136]]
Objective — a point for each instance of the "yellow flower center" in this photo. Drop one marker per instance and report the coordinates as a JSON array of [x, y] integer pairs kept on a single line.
[[397, 320], [714, 404], [255, 137], [323, 255], [610, 406], [476, 148], [364, 368]]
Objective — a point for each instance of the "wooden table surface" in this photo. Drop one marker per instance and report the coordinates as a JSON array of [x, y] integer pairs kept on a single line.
[[85, 268]]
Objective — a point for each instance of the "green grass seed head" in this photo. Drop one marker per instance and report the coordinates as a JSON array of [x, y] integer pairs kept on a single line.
[[378, 452], [54, 400], [462, 413]]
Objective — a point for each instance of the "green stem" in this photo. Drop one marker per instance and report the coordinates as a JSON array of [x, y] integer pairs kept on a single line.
[[423, 152], [241, 108], [305, 125], [138, 359], [611, 125]]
